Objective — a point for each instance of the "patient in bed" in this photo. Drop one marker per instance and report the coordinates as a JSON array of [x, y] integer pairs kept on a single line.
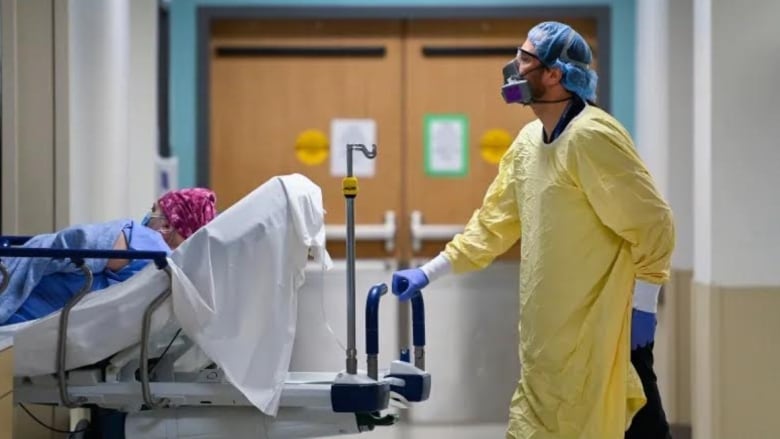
[[40, 286]]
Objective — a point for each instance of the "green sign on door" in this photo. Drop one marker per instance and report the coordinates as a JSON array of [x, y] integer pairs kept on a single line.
[[446, 139]]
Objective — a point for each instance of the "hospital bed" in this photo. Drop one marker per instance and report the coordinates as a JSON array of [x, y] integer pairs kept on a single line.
[[157, 397], [163, 403]]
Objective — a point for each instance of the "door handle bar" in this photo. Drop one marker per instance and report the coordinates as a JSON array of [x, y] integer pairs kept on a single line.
[[435, 232], [367, 232]]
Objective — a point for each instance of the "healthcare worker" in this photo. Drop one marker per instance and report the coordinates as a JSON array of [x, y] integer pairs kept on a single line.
[[596, 242]]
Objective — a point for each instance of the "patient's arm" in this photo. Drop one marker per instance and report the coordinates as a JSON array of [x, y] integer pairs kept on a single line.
[[120, 244]]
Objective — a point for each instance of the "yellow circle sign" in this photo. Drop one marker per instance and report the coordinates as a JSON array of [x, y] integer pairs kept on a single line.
[[494, 144], [311, 147]]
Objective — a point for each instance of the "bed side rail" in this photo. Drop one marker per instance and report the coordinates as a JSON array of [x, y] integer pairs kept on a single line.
[[8, 248]]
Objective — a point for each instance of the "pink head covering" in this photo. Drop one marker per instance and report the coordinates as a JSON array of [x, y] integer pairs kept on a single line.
[[188, 210]]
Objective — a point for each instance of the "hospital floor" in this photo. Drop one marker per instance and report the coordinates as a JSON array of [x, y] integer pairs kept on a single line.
[[402, 431], [486, 431]]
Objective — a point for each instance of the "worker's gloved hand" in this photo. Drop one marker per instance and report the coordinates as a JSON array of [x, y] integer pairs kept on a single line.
[[642, 328], [407, 283]]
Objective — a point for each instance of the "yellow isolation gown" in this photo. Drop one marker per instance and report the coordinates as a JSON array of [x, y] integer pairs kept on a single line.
[[591, 222]]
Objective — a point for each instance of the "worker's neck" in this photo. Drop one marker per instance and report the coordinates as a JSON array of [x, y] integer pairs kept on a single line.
[[550, 113]]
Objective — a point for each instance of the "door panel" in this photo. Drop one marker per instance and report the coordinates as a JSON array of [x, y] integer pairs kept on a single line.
[[442, 80], [263, 98]]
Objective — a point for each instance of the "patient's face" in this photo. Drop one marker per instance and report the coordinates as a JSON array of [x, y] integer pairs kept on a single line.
[[160, 223]]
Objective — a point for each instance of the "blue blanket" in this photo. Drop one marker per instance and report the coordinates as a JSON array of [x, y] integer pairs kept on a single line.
[[39, 286]]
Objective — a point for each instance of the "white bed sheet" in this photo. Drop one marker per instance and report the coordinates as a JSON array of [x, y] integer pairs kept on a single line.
[[235, 285]]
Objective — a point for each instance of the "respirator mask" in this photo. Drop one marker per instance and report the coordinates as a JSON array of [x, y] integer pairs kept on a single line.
[[515, 89]]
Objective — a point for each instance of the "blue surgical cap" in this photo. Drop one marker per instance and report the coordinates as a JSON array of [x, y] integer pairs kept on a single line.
[[561, 47]]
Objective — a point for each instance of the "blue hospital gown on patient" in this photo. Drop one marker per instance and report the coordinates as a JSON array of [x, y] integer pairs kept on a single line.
[[52, 292]]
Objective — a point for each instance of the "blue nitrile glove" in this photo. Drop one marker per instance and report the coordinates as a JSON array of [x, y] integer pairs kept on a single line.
[[407, 283], [642, 328], [643, 313]]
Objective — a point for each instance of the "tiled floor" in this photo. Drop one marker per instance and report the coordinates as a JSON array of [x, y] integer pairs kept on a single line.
[[482, 431], [486, 431]]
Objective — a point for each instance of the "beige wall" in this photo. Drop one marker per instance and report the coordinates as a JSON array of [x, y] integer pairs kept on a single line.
[[34, 95], [6, 390], [736, 353], [718, 358], [28, 116], [736, 292], [682, 372], [672, 347], [61, 115]]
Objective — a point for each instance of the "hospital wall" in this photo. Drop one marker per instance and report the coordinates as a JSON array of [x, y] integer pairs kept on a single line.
[[706, 135], [28, 118], [28, 90], [79, 112], [113, 108], [736, 294], [665, 140], [79, 123]]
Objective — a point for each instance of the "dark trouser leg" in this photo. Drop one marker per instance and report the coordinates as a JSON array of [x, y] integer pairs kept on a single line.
[[650, 422], [107, 423]]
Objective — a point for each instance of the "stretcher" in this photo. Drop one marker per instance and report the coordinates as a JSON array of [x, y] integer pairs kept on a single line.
[[161, 385]]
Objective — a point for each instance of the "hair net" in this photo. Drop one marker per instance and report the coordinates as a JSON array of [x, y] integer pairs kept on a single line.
[[188, 209], [561, 47]]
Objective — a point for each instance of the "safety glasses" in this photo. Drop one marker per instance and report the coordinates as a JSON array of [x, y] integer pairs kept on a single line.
[[524, 56], [521, 52]]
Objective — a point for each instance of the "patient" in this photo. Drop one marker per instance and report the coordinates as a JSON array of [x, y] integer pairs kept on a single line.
[[40, 286]]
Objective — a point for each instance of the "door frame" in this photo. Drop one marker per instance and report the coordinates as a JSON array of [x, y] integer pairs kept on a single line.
[[206, 15]]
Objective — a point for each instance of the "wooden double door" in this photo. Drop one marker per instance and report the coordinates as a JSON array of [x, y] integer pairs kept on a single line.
[[285, 93]]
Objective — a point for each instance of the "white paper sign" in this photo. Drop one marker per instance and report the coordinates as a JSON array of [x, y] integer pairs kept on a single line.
[[351, 131]]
